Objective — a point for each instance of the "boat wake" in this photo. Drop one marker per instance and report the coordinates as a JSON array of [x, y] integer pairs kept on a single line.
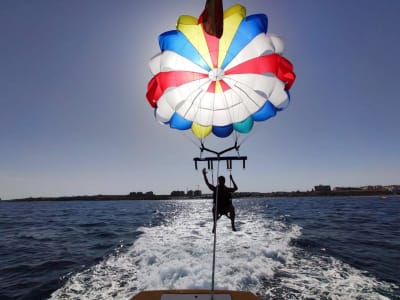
[[260, 257]]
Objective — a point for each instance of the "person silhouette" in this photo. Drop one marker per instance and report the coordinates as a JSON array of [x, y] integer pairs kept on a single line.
[[222, 199]]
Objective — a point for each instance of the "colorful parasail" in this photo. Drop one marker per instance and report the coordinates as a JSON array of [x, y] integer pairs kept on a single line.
[[220, 83]]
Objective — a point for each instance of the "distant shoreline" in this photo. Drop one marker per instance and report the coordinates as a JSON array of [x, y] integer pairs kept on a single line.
[[206, 196]]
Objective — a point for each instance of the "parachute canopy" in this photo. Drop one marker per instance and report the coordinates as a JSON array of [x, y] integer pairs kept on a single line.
[[219, 85]]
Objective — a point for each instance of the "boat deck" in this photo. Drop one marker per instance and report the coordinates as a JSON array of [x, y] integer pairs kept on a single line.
[[194, 295]]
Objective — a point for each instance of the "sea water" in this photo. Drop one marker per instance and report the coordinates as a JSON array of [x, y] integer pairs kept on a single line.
[[285, 248]]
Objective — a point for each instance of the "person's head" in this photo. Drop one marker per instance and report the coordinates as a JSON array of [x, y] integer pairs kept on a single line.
[[221, 180]]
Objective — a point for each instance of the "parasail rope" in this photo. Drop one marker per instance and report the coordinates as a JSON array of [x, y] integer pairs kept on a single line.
[[192, 140], [215, 228], [247, 137]]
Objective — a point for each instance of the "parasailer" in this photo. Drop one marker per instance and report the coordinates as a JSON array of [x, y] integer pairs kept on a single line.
[[222, 199]]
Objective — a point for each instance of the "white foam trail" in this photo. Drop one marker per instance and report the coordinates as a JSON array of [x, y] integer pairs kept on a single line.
[[259, 257]]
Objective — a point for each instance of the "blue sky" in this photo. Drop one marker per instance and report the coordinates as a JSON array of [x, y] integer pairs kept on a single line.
[[74, 118]]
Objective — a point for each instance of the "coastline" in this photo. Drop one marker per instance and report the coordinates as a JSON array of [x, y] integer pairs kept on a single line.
[[101, 197]]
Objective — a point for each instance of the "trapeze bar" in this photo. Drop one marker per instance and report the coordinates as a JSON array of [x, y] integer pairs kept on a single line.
[[228, 160]]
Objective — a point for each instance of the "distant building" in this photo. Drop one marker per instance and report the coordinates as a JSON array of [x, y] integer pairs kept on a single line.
[[346, 189], [373, 188], [139, 194], [177, 193], [197, 193], [322, 188], [393, 188], [191, 193]]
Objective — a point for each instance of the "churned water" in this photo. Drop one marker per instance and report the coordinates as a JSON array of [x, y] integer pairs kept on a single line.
[[285, 248]]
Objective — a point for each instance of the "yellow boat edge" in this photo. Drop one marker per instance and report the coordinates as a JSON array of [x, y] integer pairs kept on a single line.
[[156, 294]]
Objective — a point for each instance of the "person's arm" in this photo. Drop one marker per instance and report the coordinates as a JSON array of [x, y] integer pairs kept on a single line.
[[235, 187], [210, 186]]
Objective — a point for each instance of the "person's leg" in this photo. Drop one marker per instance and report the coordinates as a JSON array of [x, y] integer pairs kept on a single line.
[[213, 217], [232, 216]]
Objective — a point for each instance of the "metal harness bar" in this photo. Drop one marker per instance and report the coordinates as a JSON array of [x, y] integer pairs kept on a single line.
[[228, 160]]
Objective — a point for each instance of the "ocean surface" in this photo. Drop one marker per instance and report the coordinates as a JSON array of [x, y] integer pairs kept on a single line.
[[285, 248]]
